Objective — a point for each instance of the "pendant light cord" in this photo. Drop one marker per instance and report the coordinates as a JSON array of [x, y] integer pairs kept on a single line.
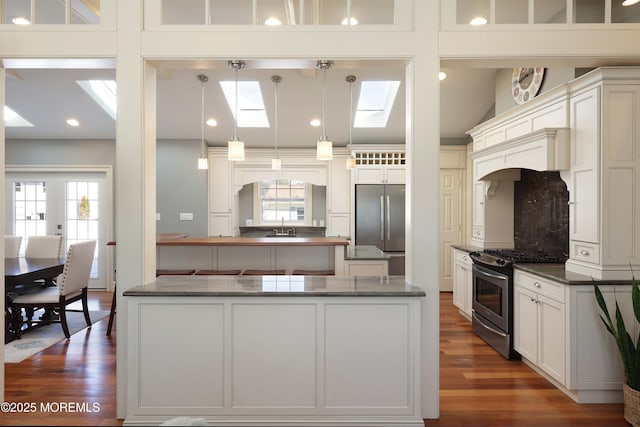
[[350, 110], [324, 95], [276, 80], [202, 121], [235, 128]]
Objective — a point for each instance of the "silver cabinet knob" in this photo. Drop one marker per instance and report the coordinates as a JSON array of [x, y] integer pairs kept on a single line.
[[585, 252], [537, 285]]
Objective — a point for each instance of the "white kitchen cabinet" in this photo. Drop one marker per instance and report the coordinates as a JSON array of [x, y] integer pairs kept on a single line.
[[220, 196], [462, 282], [539, 324], [338, 198], [558, 331], [366, 268], [380, 174]]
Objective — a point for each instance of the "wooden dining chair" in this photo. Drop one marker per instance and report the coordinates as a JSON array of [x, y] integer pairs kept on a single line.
[[12, 246], [43, 247], [72, 287]]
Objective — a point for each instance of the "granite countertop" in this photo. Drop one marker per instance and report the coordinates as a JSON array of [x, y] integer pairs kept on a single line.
[[260, 286], [364, 252], [558, 273], [467, 248]]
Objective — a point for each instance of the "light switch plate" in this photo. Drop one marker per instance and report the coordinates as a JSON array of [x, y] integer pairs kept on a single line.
[[158, 216], [186, 216]]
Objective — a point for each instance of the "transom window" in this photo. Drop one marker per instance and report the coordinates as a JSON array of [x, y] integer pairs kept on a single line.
[[283, 200]]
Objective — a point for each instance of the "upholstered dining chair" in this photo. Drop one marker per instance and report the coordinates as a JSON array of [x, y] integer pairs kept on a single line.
[[43, 247], [12, 246], [72, 286]]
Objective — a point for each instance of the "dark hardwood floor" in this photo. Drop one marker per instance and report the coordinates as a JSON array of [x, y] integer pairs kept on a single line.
[[477, 386]]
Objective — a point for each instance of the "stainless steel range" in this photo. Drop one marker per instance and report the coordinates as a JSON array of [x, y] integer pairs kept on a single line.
[[492, 305]]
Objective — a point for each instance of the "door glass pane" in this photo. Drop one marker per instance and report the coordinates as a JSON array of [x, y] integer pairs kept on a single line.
[[49, 12], [85, 12], [624, 14], [512, 11], [550, 12], [588, 11], [183, 12], [373, 12], [30, 209], [82, 215], [15, 8], [232, 12], [470, 9]]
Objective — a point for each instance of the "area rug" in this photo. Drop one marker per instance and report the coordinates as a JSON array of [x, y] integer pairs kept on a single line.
[[40, 338]]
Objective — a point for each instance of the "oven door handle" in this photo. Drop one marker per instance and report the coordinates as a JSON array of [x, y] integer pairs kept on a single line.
[[484, 325], [495, 276]]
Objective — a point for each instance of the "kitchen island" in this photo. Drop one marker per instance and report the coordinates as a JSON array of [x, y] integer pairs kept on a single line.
[[271, 253], [275, 351]]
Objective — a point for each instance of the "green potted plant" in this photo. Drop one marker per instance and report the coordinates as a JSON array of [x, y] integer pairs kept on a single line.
[[629, 351]]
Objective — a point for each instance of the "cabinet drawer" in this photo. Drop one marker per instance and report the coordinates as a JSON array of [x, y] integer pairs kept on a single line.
[[544, 287], [588, 252], [461, 256]]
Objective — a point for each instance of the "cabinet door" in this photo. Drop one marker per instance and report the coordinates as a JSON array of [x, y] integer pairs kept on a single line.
[[551, 338], [525, 327], [468, 287], [219, 185], [395, 175], [459, 285], [339, 186], [369, 174], [584, 194]]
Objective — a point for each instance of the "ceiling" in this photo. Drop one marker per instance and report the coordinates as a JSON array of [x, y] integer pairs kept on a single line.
[[46, 94]]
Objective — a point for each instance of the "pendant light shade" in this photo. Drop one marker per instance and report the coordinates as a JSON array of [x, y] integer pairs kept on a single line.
[[203, 163], [235, 148], [276, 163], [324, 149], [351, 161]]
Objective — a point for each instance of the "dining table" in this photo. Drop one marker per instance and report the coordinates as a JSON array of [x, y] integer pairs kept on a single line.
[[27, 272]]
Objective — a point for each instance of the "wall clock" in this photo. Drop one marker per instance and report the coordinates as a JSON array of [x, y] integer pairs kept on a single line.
[[525, 83]]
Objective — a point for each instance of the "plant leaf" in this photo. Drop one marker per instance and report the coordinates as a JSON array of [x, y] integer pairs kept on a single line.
[[603, 308], [635, 297], [625, 344]]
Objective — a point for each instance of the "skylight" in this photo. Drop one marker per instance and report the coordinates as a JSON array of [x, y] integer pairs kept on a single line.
[[375, 103], [13, 119], [251, 113], [103, 93]]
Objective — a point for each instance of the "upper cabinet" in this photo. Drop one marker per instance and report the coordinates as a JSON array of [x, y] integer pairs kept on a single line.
[[589, 130], [380, 167]]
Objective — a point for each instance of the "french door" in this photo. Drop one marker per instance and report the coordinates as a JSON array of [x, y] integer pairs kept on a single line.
[[72, 204]]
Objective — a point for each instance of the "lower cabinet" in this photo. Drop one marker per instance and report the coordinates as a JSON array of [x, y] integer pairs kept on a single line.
[[539, 330], [366, 268], [462, 282], [558, 331]]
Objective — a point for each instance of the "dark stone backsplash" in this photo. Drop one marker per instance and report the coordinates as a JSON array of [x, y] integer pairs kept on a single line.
[[541, 213]]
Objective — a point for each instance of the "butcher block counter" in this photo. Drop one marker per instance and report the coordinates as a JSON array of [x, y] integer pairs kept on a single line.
[[255, 253], [269, 351], [254, 241]]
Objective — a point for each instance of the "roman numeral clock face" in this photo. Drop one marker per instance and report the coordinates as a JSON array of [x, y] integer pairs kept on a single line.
[[525, 83]]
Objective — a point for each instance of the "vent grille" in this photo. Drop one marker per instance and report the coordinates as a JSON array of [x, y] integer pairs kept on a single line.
[[380, 158]]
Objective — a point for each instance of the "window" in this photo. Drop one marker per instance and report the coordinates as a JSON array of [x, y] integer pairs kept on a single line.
[[283, 200]]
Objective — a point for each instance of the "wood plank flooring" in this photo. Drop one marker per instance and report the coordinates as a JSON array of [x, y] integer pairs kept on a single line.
[[477, 386]]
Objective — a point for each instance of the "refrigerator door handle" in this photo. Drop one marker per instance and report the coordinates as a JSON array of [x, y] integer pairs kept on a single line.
[[388, 219], [381, 217]]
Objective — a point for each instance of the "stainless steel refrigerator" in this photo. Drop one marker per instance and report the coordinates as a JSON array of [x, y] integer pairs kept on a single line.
[[380, 216]]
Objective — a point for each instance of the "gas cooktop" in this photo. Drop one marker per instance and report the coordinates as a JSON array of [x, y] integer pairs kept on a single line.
[[516, 255]]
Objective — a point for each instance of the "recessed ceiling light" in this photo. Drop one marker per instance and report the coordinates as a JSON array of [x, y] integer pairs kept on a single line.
[[272, 22], [73, 122], [212, 123], [352, 21], [20, 20], [478, 20], [315, 123], [630, 2], [442, 75]]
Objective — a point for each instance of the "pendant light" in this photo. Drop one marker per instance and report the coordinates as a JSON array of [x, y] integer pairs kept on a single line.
[[276, 163], [351, 161], [203, 163], [235, 150], [324, 147]]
